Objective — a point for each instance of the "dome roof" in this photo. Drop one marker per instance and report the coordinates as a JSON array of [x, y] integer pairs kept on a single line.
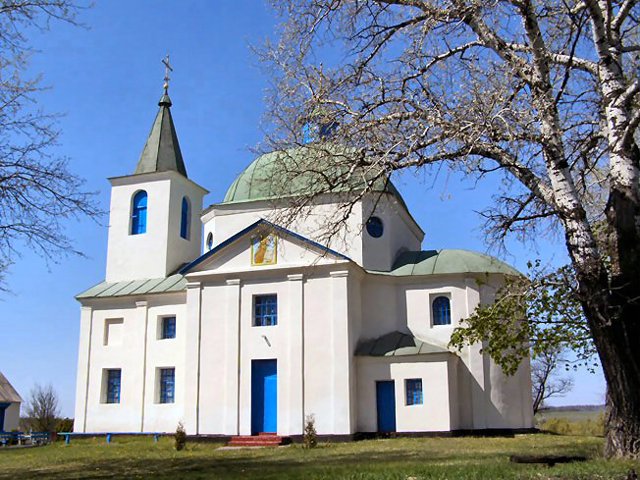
[[300, 171], [435, 262]]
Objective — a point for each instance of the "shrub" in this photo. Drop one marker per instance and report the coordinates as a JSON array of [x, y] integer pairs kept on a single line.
[[310, 436], [64, 425], [180, 437]]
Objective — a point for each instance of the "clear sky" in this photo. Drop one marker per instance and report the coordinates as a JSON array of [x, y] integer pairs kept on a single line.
[[107, 80]]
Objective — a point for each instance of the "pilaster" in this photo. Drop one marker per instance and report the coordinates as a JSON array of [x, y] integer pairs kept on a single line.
[[232, 358], [340, 354], [84, 367], [294, 368], [191, 375], [140, 330]]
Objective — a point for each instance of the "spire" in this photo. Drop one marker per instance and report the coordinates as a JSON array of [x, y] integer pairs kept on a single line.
[[162, 150]]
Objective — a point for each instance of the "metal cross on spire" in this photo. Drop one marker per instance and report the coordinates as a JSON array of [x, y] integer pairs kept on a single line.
[[167, 69]]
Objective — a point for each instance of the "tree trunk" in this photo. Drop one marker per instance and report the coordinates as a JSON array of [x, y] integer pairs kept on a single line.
[[620, 356], [612, 307]]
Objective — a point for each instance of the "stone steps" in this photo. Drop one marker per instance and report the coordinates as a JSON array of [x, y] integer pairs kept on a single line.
[[260, 440]]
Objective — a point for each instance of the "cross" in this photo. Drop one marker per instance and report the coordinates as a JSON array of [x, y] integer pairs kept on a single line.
[[167, 69]]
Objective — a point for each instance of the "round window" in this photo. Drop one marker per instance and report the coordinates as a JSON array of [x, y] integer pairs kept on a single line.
[[375, 227], [210, 241]]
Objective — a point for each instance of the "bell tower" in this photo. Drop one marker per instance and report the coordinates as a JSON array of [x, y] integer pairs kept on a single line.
[[154, 217]]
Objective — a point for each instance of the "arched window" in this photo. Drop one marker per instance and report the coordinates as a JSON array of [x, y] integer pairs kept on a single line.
[[185, 219], [139, 213], [210, 241], [441, 309]]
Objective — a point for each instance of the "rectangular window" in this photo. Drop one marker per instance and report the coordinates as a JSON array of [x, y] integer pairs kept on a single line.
[[167, 385], [265, 310], [168, 327], [113, 386], [413, 388]]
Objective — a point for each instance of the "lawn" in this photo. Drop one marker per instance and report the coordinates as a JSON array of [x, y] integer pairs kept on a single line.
[[426, 458]]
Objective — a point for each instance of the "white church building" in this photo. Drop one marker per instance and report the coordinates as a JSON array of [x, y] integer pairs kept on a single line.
[[259, 326]]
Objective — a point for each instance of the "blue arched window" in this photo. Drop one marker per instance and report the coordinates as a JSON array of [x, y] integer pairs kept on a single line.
[[441, 308], [139, 213], [185, 219]]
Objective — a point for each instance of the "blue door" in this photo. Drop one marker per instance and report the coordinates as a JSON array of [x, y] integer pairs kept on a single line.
[[264, 396], [386, 403]]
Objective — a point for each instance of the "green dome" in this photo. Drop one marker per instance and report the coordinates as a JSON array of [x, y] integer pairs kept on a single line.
[[300, 171], [435, 262]]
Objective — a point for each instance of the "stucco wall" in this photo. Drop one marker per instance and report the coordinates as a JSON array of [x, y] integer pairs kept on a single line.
[[434, 413], [160, 250], [11, 417], [138, 352], [400, 233]]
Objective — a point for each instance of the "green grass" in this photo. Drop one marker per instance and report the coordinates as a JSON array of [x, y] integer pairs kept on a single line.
[[427, 458]]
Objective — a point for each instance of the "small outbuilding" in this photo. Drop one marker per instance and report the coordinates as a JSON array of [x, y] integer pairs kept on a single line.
[[9, 406]]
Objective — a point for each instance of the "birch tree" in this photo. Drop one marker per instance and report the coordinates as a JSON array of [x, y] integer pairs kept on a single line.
[[37, 189], [542, 94]]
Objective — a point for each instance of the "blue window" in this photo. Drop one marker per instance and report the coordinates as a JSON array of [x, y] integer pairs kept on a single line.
[[168, 327], [113, 386], [210, 241], [309, 133], [265, 310], [375, 228], [167, 385], [441, 309], [139, 213], [185, 219], [413, 387]]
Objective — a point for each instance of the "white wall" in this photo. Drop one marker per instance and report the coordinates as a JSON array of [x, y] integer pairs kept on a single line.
[[138, 354], [11, 417], [160, 250], [400, 230], [432, 416], [400, 233], [310, 380]]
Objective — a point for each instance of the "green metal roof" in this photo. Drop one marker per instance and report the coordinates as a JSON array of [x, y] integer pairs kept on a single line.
[[396, 344], [434, 262], [174, 283], [162, 150], [301, 171]]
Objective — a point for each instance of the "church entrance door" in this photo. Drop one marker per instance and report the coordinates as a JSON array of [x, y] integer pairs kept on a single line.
[[264, 396], [386, 402]]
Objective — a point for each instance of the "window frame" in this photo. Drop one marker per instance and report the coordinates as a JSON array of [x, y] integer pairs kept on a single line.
[[412, 394], [437, 312], [265, 318], [113, 391], [185, 218], [139, 211], [374, 226], [167, 385], [162, 334]]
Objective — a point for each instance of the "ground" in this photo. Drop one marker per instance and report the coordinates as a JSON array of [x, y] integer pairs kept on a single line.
[[400, 458]]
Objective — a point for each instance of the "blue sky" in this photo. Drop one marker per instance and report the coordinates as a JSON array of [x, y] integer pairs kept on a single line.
[[107, 80]]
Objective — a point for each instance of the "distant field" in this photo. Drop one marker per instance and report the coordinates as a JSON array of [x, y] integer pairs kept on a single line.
[[572, 415], [398, 459]]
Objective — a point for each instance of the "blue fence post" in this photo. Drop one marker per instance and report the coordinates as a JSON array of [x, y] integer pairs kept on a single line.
[[155, 438], [67, 439], [108, 438]]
